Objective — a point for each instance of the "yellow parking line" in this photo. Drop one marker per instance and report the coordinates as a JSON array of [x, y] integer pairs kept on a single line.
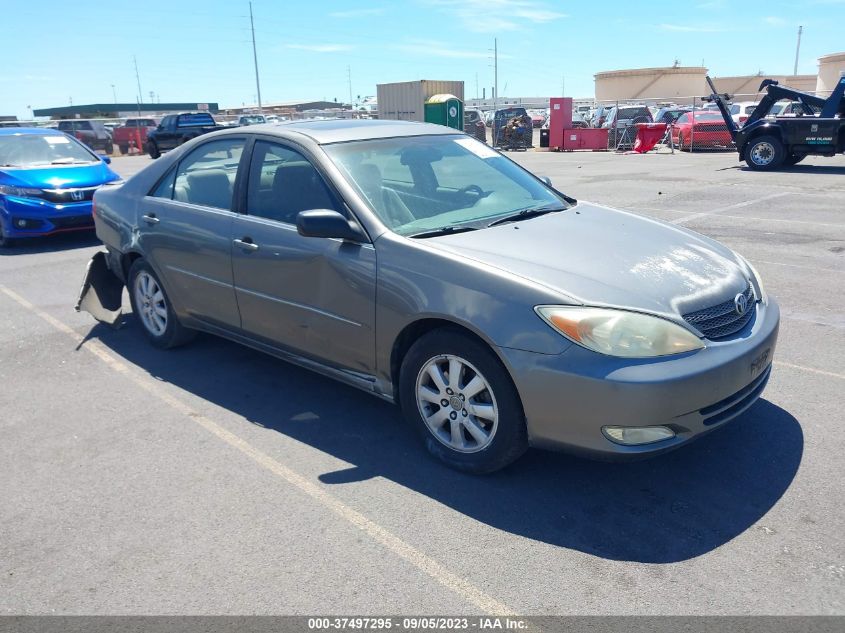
[[418, 559]]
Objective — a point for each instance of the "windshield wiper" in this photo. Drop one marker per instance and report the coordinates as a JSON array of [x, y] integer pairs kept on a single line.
[[445, 230], [524, 214]]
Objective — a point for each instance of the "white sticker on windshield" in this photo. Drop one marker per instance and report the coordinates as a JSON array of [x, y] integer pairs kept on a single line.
[[53, 140], [479, 149]]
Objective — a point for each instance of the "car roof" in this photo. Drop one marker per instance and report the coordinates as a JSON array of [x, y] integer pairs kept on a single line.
[[9, 131], [324, 131]]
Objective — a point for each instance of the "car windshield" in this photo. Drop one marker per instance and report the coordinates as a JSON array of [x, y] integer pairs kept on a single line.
[[428, 183], [38, 150], [253, 119]]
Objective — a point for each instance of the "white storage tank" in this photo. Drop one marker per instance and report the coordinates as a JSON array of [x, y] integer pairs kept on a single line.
[[831, 68], [672, 82]]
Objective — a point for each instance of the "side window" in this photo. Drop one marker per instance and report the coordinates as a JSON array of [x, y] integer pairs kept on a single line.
[[206, 176], [684, 118], [282, 182], [165, 122], [164, 189]]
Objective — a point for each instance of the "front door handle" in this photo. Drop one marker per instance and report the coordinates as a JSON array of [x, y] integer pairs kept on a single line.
[[151, 218], [246, 244]]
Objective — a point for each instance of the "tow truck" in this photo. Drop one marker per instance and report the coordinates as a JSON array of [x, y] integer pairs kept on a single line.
[[767, 143]]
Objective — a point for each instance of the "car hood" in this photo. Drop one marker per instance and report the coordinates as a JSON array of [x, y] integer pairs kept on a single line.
[[594, 255], [59, 176]]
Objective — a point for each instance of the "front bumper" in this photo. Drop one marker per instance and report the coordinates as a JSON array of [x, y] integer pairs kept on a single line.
[[568, 398], [34, 217]]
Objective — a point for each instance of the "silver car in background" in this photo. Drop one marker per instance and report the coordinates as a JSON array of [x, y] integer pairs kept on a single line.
[[420, 265]]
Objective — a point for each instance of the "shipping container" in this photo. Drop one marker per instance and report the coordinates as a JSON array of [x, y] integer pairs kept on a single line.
[[405, 101]]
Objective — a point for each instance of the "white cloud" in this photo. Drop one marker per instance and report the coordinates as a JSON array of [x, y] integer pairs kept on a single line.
[[490, 16], [434, 48], [685, 28], [320, 48], [356, 13], [774, 21]]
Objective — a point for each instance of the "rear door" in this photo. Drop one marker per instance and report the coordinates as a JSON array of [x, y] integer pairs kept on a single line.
[[185, 229], [314, 296]]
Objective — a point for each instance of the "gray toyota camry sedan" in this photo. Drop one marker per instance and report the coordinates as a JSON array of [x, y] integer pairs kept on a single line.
[[417, 264]]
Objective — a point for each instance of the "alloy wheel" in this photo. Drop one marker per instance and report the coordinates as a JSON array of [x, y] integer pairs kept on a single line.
[[151, 304], [457, 403]]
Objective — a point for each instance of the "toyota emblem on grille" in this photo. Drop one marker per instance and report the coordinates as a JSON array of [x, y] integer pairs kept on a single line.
[[77, 195], [741, 303]]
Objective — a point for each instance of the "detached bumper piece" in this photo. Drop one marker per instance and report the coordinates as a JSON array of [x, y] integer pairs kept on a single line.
[[101, 294]]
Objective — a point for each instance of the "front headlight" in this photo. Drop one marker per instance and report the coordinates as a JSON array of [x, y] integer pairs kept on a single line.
[[619, 332], [20, 192]]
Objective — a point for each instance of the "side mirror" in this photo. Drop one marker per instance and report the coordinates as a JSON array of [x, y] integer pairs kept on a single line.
[[327, 223], [547, 180], [106, 159]]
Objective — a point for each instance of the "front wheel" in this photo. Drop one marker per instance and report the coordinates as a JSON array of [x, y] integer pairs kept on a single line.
[[460, 398], [681, 143], [153, 309], [5, 242], [764, 153], [152, 150]]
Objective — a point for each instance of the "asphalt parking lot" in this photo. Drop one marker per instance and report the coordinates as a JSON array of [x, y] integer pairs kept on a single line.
[[215, 480]]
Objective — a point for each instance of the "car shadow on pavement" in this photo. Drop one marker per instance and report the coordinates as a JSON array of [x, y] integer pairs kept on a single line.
[[52, 243], [668, 509]]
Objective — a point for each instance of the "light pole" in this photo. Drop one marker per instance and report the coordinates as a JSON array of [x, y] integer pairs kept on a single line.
[[113, 93]]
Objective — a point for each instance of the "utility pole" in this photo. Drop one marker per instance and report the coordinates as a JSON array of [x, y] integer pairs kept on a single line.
[[495, 86], [138, 79], [349, 81], [114, 93], [255, 58], [797, 49]]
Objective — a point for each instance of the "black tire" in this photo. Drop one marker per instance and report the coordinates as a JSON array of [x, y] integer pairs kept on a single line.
[[509, 437], [681, 143], [5, 242], [764, 153], [793, 159], [174, 333], [152, 150], [124, 149], [109, 148]]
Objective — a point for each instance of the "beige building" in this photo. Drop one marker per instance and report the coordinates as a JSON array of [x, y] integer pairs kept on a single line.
[[831, 68]]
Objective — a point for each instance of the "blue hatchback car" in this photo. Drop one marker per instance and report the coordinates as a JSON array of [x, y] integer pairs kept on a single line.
[[47, 182]]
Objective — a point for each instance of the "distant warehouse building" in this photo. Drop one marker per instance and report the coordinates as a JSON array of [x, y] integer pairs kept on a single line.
[[120, 110]]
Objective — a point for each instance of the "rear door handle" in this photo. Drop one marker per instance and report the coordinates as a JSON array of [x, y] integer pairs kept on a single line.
[[151, 218], [246, 244]]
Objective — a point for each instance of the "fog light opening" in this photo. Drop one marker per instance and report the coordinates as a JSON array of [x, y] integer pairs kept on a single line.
[[21, 223], [637, 435]]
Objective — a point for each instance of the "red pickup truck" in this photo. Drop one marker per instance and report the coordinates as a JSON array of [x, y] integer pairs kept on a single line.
[[126, 133]]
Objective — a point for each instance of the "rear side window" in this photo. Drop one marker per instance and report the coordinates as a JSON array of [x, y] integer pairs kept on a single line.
[[190, 120], [206, 176]]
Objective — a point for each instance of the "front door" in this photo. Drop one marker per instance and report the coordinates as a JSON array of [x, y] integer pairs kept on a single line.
[[313, 296], [185, 227]]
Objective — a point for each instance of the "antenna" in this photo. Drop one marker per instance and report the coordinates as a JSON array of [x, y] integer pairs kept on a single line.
[[797, 49], [255, 58]]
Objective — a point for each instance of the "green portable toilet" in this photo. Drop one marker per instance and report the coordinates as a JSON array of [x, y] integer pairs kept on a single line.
[[445, 110]]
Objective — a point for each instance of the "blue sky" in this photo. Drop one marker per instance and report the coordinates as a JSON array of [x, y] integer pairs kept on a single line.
[[54, 50]]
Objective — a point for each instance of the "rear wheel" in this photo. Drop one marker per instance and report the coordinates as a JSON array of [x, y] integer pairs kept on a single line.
[[109, 148], [124, 149], [764, 153], [152, 150], [152, 307], [460, 398]]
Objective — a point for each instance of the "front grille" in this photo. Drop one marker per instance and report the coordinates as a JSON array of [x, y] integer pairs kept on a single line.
[[733, 405], [73, 222], [722, 320], [65, 196]]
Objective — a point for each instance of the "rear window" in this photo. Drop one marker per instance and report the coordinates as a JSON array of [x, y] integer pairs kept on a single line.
[[630, 113], [190, 120]]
